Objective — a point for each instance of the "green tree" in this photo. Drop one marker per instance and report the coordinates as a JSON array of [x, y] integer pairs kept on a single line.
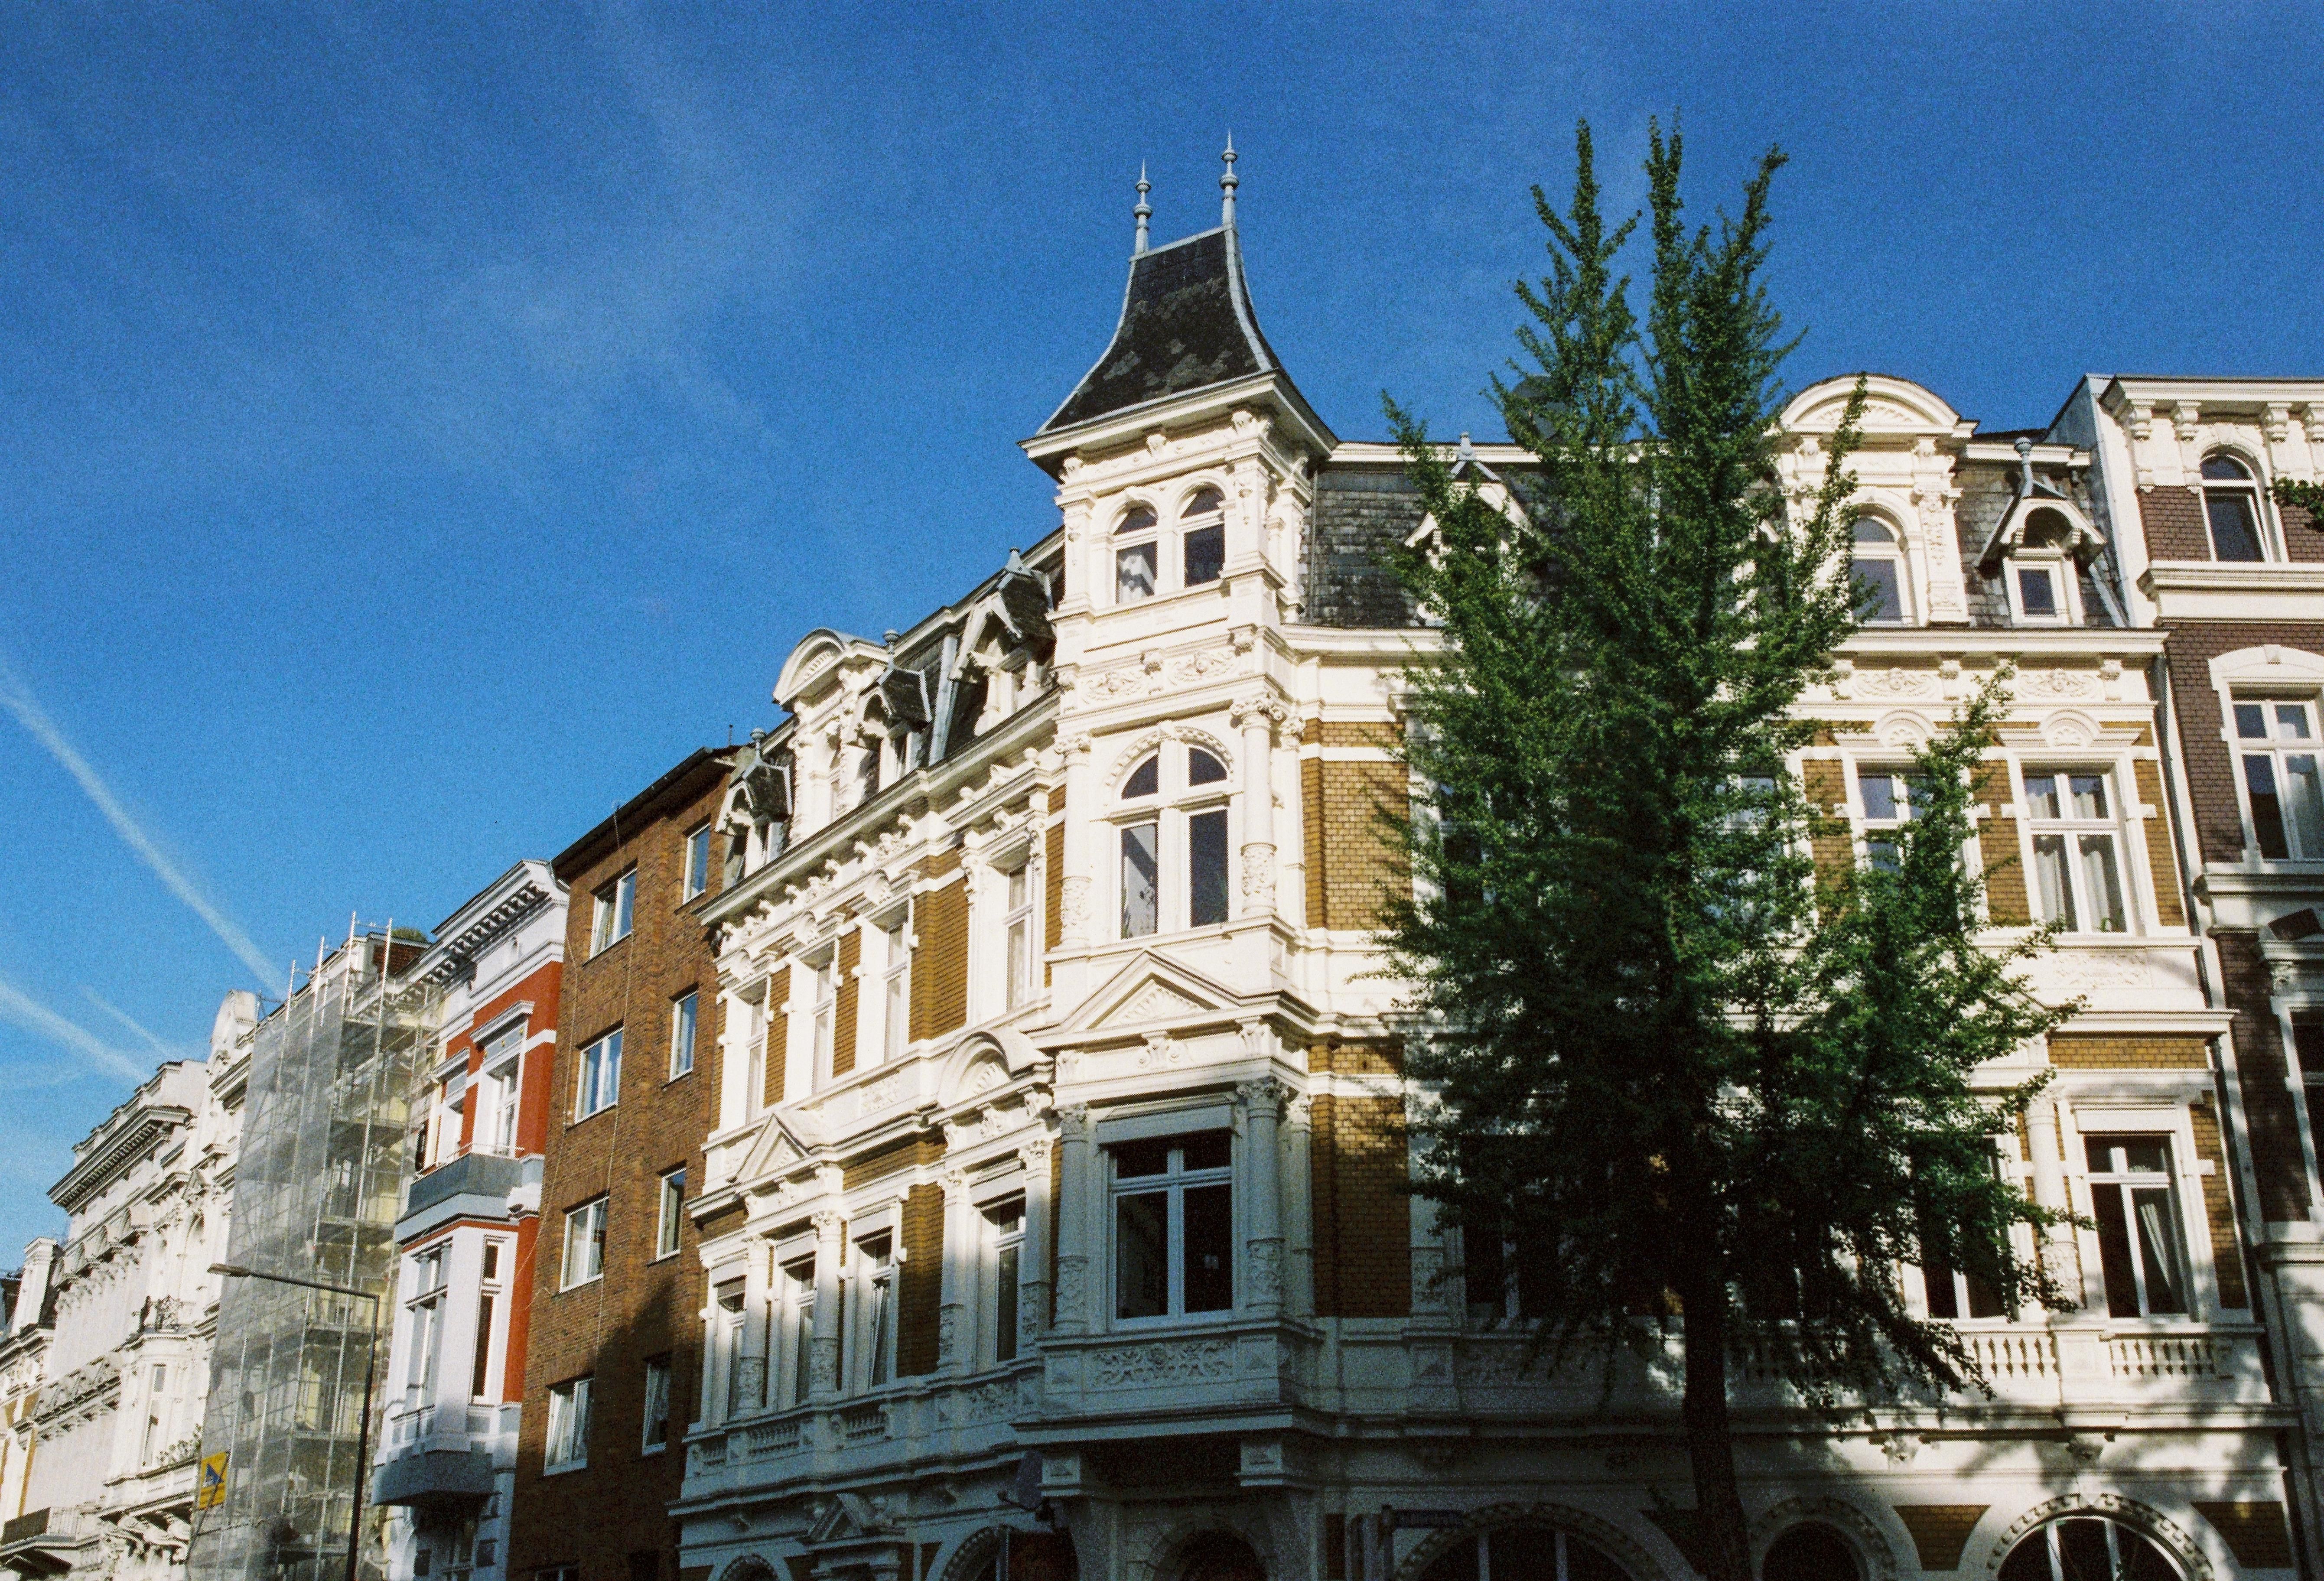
[[1708, 1094]]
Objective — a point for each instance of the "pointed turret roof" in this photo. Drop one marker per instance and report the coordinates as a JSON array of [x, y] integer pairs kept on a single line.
[[1186, 324]]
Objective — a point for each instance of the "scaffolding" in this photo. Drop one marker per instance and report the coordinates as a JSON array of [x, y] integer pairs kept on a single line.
[[315, 1194]]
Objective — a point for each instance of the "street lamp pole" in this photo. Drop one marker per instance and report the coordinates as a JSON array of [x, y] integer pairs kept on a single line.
[[370, 1359]]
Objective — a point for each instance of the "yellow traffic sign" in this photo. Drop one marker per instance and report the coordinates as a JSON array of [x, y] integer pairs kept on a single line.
[[209, 1485]]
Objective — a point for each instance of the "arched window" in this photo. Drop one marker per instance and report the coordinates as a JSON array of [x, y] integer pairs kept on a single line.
[[1524, 1553], [1174, 847], [2231, 509], [1811, 1551], [1877, 564], [2087, 1545], [1137, 555], [1203, 530], [1220, 1556]]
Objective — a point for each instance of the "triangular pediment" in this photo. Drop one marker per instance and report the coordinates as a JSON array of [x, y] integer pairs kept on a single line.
[[777, 1148], [1152, 989]]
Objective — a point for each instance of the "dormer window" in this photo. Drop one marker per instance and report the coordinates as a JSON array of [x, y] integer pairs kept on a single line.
[[2043, 589], [1204, 529], [1877, 564], [2231, 509], [1137, 556]]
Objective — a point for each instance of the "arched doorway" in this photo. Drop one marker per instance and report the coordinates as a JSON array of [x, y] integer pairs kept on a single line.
[[1523, 1552], [2087, 1547], [1220, 1556], [1811, 1551]]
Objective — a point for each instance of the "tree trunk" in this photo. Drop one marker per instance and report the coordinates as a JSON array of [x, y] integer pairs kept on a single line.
[[1722, 1545]]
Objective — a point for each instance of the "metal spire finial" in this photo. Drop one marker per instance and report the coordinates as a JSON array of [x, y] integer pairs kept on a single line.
[[1145, 210], [1228, 182]]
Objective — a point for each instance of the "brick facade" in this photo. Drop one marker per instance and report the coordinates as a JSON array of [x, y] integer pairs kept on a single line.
[[1348, 828], [778, 1034], [2162, 850], [610, 1517], [940, 953], [919, 1282], [2072, 1051], [2209, 763], [1358, 1166], [2173, 519], [2270, 1116], [844, 1009], [2219, 1208]]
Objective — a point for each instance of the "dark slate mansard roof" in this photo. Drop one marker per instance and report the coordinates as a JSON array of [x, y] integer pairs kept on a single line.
[[1186, 324]]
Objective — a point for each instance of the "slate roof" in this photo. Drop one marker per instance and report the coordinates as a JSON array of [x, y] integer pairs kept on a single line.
[[1186, 324]]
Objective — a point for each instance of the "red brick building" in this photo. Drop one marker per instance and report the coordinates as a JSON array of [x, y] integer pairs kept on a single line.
[[612, 1360]]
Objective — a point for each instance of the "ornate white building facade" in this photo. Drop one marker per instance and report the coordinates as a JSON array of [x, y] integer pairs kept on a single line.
[[1055, 1205], [109, 1449]]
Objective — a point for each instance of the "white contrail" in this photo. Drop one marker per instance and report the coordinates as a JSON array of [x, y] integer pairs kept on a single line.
[[32, 1015], [123, 1017], [28, 713]]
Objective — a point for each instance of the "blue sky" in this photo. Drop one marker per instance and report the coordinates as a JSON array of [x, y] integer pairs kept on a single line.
[[419, 426]]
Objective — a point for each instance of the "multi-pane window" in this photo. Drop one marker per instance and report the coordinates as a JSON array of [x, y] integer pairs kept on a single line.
[[698, 861], [2276, 740], [685, 1021], [1877, 564], [2087, 1548], [616, 905], [427, 1319], [825, 1014], [488, 1307], [896, 992], [1016, 924], [567, 1445], [794, 1318], [654, 1431], [598, 1084], [1203, 523], [1137, 556], [1188, 841], [669, 1216], [1173, 1225], [584, 1242], [2231, 509], [727, 1341], [1886, 800], [496, 1104], [2135, 1201], [2077, 863], [870, 1340], [1004, 1243]]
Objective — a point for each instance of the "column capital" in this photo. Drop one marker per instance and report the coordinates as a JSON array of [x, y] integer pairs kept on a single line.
[[1073, 1123], [1265, 1098], [1259, 711]]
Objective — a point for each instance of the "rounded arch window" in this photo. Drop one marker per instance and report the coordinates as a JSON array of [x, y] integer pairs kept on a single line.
[[2231, 508], [1220, 1556], [1137, 555], [1876, 563], [1524, 1553], [1173, 871], [2090, 1546], [1204, 538], [1811, 1551]]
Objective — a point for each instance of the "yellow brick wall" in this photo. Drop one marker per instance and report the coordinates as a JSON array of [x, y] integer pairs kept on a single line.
[[843, 1014], [940, 963], [2005, 900], [2071, 1050], [1053, 903], [778, 1033], [1311, 831], [919, 1282], [1362, 866], [1940, 1531], [2161, 858], [1362, 1227], [1825, 783], [2219, 1209], [882, 1162]]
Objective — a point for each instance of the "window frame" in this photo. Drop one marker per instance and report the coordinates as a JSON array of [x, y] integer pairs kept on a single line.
[[790, 1361], [597, 1072], [1171, 810], [656, 1368], [685, 1014], [1194, 518], [1020, 922], [1001, 1233], [487, 1371], [822, 1013], [2113, 825], [569, 1425], [590, 1218], [2119, 1130], [2251, 494], [500, 1085], [695, 881], [2275, 751], [669, 1213], [895, 1040], [1128, 535], [1891, 550], [868, 1312], [1173, 1184], [614, 917], [1869, 830]]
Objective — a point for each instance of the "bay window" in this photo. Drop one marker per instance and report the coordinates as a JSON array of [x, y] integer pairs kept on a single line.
[[2276, 743], [1173, 1225], [2077, 862]]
